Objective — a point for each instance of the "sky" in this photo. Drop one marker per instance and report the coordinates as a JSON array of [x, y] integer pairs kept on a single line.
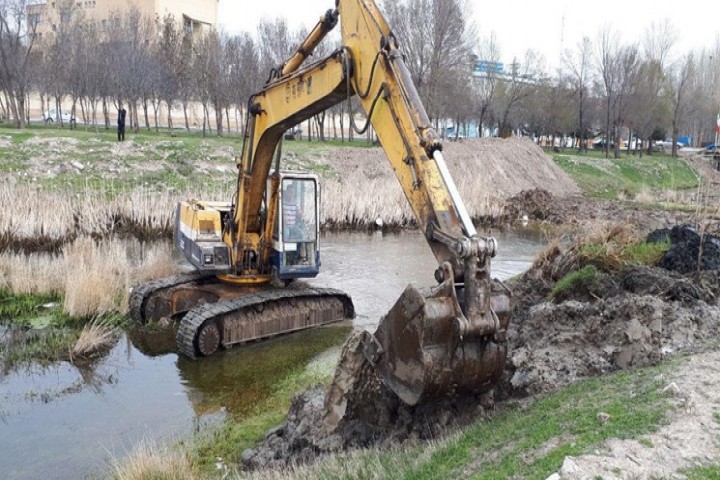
[[548, 26]]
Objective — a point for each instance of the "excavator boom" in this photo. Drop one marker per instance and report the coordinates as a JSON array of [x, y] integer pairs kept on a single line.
[[450, 339]]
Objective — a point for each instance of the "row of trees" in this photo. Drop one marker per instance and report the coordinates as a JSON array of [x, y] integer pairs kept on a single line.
[[156, 67]]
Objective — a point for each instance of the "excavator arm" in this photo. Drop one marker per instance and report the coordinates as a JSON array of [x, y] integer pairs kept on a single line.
[[430, 343]]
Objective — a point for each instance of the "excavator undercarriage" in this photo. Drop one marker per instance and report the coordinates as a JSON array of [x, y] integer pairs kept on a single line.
[[214, 315]]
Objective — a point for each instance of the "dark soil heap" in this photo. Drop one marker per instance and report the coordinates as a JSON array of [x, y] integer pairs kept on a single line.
[[625, 317], [622, 317]]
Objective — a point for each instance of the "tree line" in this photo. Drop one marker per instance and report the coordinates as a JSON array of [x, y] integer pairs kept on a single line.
[[644, 90]]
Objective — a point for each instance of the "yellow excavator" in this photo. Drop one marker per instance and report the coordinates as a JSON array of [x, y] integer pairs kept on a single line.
[[246, 252]]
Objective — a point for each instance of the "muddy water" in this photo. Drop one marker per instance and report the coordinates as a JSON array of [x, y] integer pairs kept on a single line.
[[376, 268], [66, 422]]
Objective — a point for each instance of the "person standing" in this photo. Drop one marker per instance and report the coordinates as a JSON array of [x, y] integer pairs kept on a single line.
[[121, 123]]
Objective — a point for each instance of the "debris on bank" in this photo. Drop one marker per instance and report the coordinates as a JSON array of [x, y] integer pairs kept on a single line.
[[627, 315]]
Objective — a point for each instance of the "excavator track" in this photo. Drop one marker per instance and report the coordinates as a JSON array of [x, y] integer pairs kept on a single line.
[[141, 293], [208, 327]]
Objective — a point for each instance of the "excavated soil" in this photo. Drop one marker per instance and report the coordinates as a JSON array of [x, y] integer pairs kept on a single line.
[[633, 316]]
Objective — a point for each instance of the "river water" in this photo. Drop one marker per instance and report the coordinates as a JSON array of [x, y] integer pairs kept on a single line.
[[67, 422]]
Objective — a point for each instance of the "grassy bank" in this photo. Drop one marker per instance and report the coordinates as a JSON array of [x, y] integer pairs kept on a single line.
[[527, 439], [629, 176]]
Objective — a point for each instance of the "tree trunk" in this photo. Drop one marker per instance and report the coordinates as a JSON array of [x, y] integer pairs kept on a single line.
[[187, 123], [156, 108], [145, 112], [106, 113], [204, 115], [21, 110], [334, 125], [169, 119]]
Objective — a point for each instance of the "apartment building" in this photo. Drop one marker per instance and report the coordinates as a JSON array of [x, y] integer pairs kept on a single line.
[[195, 15]]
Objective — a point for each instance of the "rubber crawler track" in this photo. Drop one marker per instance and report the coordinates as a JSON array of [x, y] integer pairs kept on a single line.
[[195, 318]]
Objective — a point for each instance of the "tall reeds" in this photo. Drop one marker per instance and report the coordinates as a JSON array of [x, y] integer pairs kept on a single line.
[[93, 277], [39, 219]]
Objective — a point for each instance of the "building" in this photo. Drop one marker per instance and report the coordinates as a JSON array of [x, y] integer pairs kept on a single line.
[[195, 15]]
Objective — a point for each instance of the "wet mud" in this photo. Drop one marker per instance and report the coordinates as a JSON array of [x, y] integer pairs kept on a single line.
[[632, 316]]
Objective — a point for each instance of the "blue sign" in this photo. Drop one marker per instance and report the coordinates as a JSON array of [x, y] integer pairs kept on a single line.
[[485, 66]]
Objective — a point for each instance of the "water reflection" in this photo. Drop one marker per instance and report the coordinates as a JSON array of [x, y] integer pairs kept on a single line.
[[375, 268], [240, 380], [141, 389]]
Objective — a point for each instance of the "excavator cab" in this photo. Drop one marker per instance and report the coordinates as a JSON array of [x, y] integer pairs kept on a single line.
[[295, 252]]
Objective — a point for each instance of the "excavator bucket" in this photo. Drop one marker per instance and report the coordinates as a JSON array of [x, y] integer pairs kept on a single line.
[[425, 346]]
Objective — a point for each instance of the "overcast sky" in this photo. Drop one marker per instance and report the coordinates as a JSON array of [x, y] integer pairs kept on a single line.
[[519, 25]]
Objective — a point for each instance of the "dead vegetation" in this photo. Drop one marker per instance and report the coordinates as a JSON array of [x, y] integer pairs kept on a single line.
[[92, 277], [95, 338], [486, 171], [149, 460]]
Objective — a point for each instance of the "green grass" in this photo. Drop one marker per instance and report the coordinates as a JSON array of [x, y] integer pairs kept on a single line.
[[41, 331], [154, 161], [609, 256], [14, 307], [586, 277], [644, 253], [704, 473], [628, 175]]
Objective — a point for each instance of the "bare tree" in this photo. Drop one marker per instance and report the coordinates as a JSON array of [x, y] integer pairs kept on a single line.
[[484, 85], [438, 40], [607, 57], [17, 39], [627, 71], [680, 80], [579, 65], [521, 83]]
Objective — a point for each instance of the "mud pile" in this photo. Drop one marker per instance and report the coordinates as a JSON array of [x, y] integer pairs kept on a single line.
[[542, 206], [374, 416], [689, 247], [629, 317], [624, 317]]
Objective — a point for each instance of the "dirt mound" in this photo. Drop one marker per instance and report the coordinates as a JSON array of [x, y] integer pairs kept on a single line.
[[374, 416], [486, 172], [535, 204], [616, 319], [688, 248]]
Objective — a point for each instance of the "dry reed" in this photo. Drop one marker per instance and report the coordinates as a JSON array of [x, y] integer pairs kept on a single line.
[[34, 274], [94, 338], [148, 460], [97, 278], [93, 277], [56, 217]]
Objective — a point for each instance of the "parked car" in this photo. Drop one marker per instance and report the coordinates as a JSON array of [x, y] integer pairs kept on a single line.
[[600, 144], [51, 116], [711, 148], [667, 145]]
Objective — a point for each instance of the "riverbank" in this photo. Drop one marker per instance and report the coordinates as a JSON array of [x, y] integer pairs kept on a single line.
[[127, 192]]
